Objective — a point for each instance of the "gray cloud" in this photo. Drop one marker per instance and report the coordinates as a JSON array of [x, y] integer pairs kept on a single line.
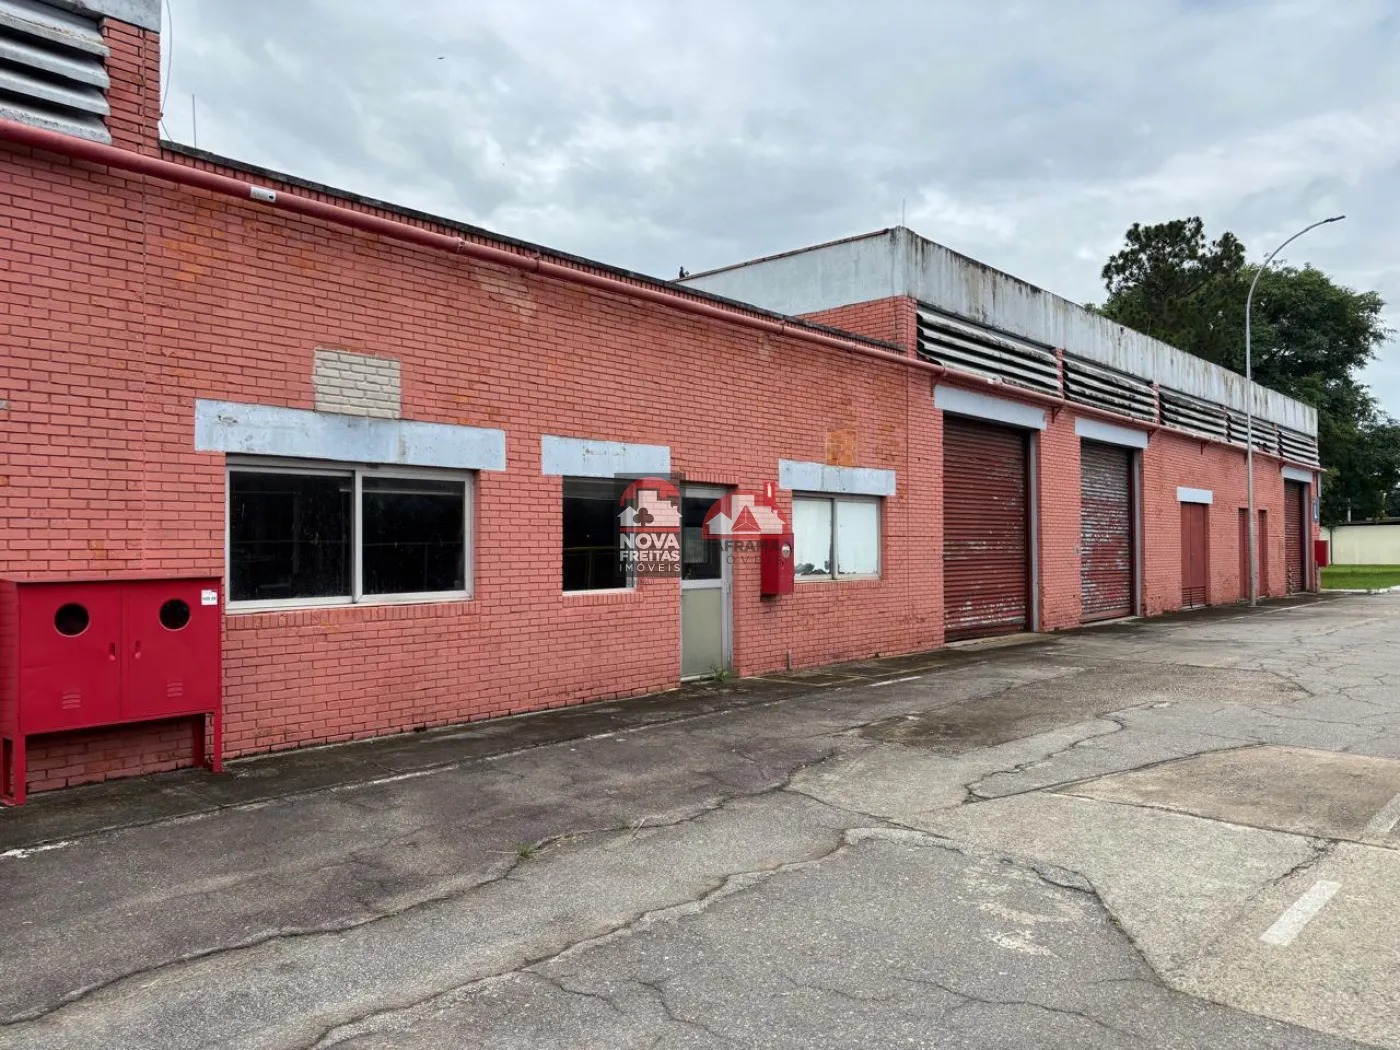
[[657, 134]]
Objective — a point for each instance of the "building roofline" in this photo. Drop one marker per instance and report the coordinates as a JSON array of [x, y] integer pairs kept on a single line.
[[796, 251], [480, 233]]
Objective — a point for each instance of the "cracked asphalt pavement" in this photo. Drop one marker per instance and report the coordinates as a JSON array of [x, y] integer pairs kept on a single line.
[[1169, 833]]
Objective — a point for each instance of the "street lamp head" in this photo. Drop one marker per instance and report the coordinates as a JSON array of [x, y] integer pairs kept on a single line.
[[1335, 218]]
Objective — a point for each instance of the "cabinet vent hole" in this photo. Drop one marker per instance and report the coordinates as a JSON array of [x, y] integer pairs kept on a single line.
[[71, 619], [174, 614]]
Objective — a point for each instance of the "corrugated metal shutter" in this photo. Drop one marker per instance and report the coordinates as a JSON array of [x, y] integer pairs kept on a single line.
[[1106, 530], [1293, 536], [53, 69], [986, 531], [1195, 556]]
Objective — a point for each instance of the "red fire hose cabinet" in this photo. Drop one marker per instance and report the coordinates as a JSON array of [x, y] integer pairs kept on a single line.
[[92, 653]]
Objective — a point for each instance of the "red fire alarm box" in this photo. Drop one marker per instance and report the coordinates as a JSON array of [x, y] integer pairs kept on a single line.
[[93, 653], [775, 565], [1320, 553]]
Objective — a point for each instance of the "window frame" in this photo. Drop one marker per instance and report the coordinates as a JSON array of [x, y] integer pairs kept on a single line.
[[357, 472], [836, 499], [629, 571]]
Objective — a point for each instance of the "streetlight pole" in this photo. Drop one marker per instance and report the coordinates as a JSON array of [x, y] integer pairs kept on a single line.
[[1249, 402]]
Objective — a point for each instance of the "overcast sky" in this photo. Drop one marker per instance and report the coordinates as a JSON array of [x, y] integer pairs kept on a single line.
[[654, 134]]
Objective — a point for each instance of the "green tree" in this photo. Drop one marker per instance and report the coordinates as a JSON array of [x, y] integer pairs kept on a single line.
[[1311, 339]]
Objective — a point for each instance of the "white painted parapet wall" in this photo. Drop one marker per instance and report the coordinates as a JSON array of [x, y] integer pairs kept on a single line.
[[898, 262]]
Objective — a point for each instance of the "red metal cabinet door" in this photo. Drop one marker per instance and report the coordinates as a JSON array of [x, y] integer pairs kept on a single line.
[[1293, 503], [1106, 530], [986, 530], [171, 648], [70, 669]]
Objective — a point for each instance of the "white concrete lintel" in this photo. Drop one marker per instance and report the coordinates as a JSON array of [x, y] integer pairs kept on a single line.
[[1110, 433], [822, 477], [297, 433], [1298, 474], [1188, 495], [984, 406], [589, 458]]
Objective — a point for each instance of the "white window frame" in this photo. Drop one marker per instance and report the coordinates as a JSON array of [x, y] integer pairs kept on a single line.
[[357, 472], [836, 499]]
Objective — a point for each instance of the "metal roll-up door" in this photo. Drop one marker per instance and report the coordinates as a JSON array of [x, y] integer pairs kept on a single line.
[[986, 529], [1293, 546], [1106, 530], [1195, 556]]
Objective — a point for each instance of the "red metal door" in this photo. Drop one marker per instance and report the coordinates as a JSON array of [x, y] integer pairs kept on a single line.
[[171, 648], [1106, 530], [1261, 537], [1294, 550], [1244, 556], [1195, 556], [986, 532], [70, 669]]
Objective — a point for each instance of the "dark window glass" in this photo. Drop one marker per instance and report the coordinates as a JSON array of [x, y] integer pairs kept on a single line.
[[700, 558], [592, 530], [289, 536], [414, 536]]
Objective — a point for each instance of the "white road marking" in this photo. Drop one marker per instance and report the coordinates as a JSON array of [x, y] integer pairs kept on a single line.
[[29, 851], [1291, 922], [1383, 823], [893, 681]]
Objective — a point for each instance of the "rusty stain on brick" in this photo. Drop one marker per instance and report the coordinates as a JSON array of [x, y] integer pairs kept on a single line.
[[841, 448]]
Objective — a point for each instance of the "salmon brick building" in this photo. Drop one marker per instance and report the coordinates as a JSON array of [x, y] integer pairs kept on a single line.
[[391, 448]]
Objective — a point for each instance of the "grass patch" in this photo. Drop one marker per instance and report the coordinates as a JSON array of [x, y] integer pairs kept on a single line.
[[1360, 577]]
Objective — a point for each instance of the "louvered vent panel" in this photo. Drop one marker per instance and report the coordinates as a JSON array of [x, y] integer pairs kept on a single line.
[[1191, 413], [1299, 447], [1265, 433], [53, 69], [970, 347], [1108, 389]]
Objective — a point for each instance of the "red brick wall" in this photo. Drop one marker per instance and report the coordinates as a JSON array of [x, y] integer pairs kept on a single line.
[[127, 300], [134, 97], [1058, 491], [1173, 460], [894, 320]]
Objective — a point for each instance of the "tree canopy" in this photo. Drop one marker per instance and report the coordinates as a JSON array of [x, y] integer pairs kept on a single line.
[[1311, 338]]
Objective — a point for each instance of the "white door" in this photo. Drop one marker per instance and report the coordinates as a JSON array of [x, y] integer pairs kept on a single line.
[[705, 586]]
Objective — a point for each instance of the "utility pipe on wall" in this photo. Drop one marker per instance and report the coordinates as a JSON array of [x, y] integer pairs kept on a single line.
[[407, 233], [169, 171]]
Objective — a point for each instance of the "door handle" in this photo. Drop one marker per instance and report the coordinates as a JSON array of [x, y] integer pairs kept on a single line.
[[111, 650], [137, 651]]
